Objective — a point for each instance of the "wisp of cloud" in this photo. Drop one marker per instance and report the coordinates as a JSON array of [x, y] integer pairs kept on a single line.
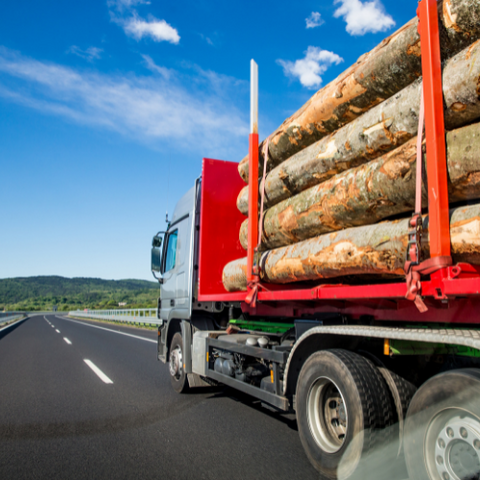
[[152, 109]]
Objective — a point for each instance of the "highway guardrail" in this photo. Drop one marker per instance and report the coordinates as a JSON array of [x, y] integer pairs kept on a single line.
[[9, 317], [146, 316]]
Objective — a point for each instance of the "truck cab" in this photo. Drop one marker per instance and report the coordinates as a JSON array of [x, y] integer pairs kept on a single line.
[[172, 257], [188, 259]]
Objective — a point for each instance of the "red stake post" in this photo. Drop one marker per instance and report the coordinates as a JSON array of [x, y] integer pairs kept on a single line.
[[253, 175], [439, 222]]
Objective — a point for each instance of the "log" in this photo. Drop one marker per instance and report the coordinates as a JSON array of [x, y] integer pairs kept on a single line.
[[242, 200], [375, 249], [372, 192], [382, 129], [376, 76], [234, 275]]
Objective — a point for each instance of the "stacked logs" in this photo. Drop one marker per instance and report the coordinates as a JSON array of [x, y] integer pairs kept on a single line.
[[373, 249], [347, 160]]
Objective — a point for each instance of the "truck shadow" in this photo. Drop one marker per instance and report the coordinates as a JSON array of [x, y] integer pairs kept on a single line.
[[288, 418], [382, 463], [98, 426]]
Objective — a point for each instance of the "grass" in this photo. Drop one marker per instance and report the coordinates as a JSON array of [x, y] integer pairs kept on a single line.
[[140, 325]]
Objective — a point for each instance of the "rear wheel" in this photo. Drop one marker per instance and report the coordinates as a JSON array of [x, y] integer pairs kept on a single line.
[[402, 392], [442, 431], [342, 402], [178, 376]]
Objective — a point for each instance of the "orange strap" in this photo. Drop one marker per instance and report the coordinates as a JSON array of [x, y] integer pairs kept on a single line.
[[413, 268], [253, 289], [251, 298], [413, 272]]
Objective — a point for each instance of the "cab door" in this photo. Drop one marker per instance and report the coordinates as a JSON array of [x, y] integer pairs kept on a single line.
[[174, 289]]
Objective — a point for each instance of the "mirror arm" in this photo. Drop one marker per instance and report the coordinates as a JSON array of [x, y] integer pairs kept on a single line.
[[157, 236], [160, 279]]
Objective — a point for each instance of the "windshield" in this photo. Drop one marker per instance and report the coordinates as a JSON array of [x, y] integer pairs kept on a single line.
[[171, 251]]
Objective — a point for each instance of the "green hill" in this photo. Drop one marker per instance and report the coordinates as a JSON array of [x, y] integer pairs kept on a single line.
[[41, 293]]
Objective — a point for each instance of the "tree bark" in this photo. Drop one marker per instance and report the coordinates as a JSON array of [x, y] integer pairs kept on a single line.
[[382, 129], [372, 192], [375, 249], [376, 76]]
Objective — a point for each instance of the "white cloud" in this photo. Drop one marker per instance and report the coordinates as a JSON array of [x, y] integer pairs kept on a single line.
[[158, 30], [90, 54], [314, 20], [122, 5], [154, 110], [365, 17], [207, 39], [153, 67], [123, 14], [309, 69]]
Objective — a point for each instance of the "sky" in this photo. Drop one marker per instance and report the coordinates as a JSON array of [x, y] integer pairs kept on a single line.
[[107, 108]]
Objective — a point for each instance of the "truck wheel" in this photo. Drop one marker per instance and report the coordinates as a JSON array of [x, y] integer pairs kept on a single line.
[[178, 376], [402, 392], [342, 401], [442, 431]]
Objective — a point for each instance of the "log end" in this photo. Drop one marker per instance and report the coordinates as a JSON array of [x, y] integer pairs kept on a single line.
[[234, 276], [243, 169], [242, 201]]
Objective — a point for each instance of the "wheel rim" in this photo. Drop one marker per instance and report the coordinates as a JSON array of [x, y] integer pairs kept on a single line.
[[452, 446], [176, 362], [327, 415]]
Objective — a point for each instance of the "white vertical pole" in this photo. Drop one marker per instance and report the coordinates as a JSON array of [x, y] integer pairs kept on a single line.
[[253, 97]]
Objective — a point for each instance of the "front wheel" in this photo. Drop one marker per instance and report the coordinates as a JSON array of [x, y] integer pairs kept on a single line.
[[442, 431], [178, 376], [342, 403]]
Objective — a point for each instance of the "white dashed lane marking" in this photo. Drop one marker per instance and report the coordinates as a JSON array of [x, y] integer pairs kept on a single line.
[[100, 374]]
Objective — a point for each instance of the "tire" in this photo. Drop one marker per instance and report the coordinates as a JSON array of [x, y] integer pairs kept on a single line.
[[402, 392], [442, 430], [178, 376], [356, 407]]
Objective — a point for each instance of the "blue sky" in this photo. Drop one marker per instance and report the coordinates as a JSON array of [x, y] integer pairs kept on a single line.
[[107, 108]]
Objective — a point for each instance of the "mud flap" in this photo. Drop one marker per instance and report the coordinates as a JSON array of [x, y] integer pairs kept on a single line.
[[195, 380], [161, 343]]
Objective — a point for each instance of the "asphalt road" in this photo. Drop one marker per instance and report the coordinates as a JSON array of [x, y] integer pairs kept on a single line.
[[60, 419]]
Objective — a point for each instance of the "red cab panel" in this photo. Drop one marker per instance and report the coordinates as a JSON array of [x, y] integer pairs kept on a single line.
[[220, 222]]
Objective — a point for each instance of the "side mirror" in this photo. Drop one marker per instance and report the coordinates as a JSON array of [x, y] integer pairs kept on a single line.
[[157, 255], [157, 241], [156, 259]]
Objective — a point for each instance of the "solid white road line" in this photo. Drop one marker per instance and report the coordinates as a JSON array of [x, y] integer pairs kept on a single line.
[[100, 374], [58, 331], [67, 340], [110, 330]]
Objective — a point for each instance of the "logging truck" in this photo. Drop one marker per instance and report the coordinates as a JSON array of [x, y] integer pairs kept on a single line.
[[368, 332]]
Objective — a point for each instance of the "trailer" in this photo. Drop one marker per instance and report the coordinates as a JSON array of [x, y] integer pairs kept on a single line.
[[374, 372]]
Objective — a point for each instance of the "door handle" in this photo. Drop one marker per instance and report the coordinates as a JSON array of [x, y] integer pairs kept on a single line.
[[172, 302]]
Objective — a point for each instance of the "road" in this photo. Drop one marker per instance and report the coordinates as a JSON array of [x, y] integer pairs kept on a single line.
[[116, 416]]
